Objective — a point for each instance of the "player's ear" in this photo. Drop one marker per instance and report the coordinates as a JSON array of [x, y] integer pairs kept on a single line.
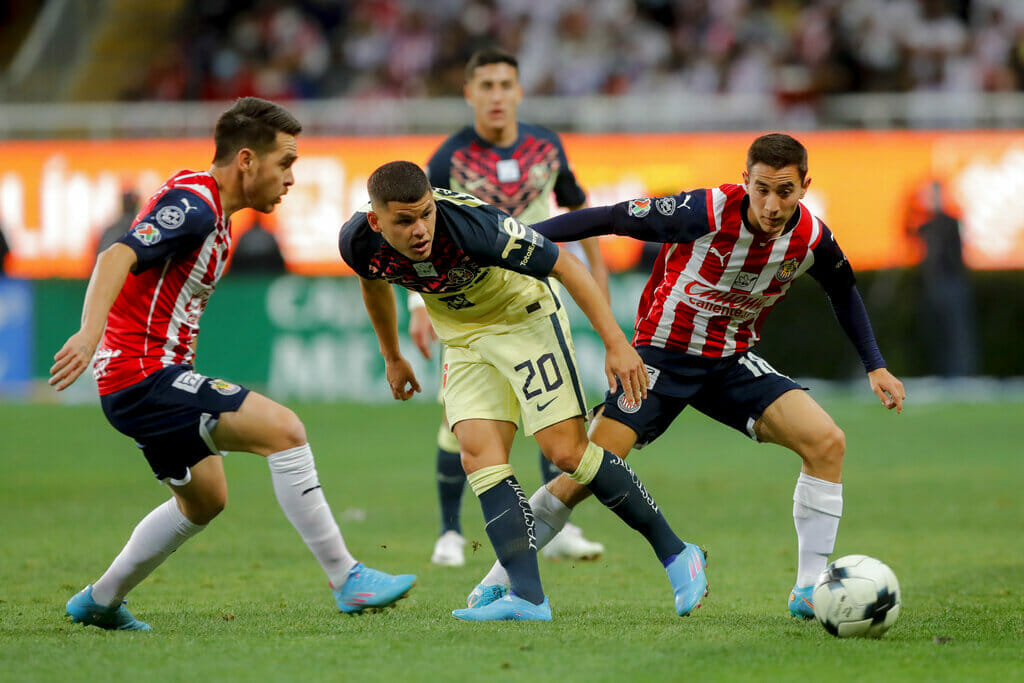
[[803, 188], [374, 220], [746, 181], [246, 158]]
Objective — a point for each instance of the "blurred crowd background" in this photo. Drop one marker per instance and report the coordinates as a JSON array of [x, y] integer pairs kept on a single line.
[[795, 48]]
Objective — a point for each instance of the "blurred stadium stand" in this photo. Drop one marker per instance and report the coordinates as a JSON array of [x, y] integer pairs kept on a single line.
[[603, 65]]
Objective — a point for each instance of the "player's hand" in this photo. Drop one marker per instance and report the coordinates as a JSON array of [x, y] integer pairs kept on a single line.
[[887, 388], [624, 362], [72, 360], [421, 330], [401, 379]]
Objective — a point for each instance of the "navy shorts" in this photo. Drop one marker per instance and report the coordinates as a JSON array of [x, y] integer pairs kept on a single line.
[[734, 391], [170, 415]]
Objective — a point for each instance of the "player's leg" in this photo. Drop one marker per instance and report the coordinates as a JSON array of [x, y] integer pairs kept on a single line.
[[265, 427], [451, 481], [796, 421]]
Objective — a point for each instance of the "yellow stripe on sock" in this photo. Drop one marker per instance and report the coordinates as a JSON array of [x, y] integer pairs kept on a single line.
[[489, 477], [589, 464]]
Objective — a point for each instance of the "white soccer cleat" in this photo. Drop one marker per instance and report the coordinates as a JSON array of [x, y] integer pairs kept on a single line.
[[448, 550], [569, 544]]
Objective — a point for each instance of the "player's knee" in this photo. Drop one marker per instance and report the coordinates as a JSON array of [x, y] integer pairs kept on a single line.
[[288, 429], [566, 455], [205, 509], [831, 447]]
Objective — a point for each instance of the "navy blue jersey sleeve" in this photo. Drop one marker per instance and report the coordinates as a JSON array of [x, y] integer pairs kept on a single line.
[[568, 192], [678, 218], [356, 242], [174, 227], [833, 272], [497, 239]]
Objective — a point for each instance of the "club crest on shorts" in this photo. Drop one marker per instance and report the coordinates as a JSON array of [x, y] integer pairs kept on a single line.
[[640, 207], [787, 270], [224, 388], [628, 408]]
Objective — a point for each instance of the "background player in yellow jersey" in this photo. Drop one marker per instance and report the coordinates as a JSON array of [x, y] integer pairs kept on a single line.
[[508, 356], [516, 167]]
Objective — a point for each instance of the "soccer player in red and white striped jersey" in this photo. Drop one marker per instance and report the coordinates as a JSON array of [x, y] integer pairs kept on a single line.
[[145, 298], [729, 254]]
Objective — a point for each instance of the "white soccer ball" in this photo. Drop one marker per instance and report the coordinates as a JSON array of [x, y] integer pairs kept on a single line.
[[857, 596]]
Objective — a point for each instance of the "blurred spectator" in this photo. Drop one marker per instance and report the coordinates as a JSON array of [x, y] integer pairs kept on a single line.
[[113, 232], [257, 252], [947, 308], [4, 250], [797, 49]]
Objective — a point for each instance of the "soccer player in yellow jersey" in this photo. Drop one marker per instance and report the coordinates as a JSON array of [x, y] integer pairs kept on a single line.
[[508, 357]]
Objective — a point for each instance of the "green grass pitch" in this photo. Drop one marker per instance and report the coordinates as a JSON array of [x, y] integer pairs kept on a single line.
[[936, 493]]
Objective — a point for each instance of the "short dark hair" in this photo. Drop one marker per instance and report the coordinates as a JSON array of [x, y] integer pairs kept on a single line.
[[397, 181], [489, 55], [253, 123], [778, 150]]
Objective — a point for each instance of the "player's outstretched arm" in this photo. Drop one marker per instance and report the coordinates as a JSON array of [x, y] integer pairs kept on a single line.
[[379, 299], [108, 276], [621, 359], [889, 389]]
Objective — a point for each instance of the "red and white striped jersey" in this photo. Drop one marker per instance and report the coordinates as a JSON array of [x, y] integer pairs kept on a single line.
[[713, 286], [181, 238]]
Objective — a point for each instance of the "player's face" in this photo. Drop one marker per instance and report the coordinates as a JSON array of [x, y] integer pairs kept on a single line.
[[408, 228], [774, 195], [494, 93], [267, 179]]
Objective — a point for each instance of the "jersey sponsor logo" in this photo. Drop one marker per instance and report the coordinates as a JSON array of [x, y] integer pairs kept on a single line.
[[224, 388], [686, 203], [189, 381], [639, 207], [517, 232], [425, 269], [146, 233], [507, 171], [627, 407], [187, 205], [102, 360], [170, 217], [721, 256], [732, 304], [666, 206], [745, 281], [542, 406], [459, 275], [786, 271]]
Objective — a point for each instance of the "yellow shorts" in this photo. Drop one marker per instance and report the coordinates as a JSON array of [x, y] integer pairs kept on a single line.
[[530, 373]]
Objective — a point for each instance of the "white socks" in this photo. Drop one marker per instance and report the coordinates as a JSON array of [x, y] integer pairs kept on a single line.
[[550, 515], [298, 491], [817, 507], [158, 535]]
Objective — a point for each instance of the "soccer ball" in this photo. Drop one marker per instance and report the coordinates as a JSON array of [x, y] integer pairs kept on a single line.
[[857, 596]]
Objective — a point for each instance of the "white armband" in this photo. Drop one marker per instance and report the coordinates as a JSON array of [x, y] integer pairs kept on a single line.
[[415, 301]]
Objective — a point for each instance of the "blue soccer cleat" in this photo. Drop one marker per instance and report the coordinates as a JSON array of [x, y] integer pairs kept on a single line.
[[689, 582], [368, 588], [801, 602], [82, 609], [509, 608], [484, 595]]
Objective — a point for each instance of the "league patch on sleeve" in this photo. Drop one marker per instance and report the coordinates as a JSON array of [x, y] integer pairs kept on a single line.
[[147, 233], [170, 217], [639, 208]]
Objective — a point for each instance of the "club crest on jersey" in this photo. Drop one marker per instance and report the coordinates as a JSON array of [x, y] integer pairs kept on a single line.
[[146, 233], [666, 206], [425, 269], [538, 175], [170, 217], [459, 275], [224, 388], [626, 407], [787, 271], [639, 207]]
